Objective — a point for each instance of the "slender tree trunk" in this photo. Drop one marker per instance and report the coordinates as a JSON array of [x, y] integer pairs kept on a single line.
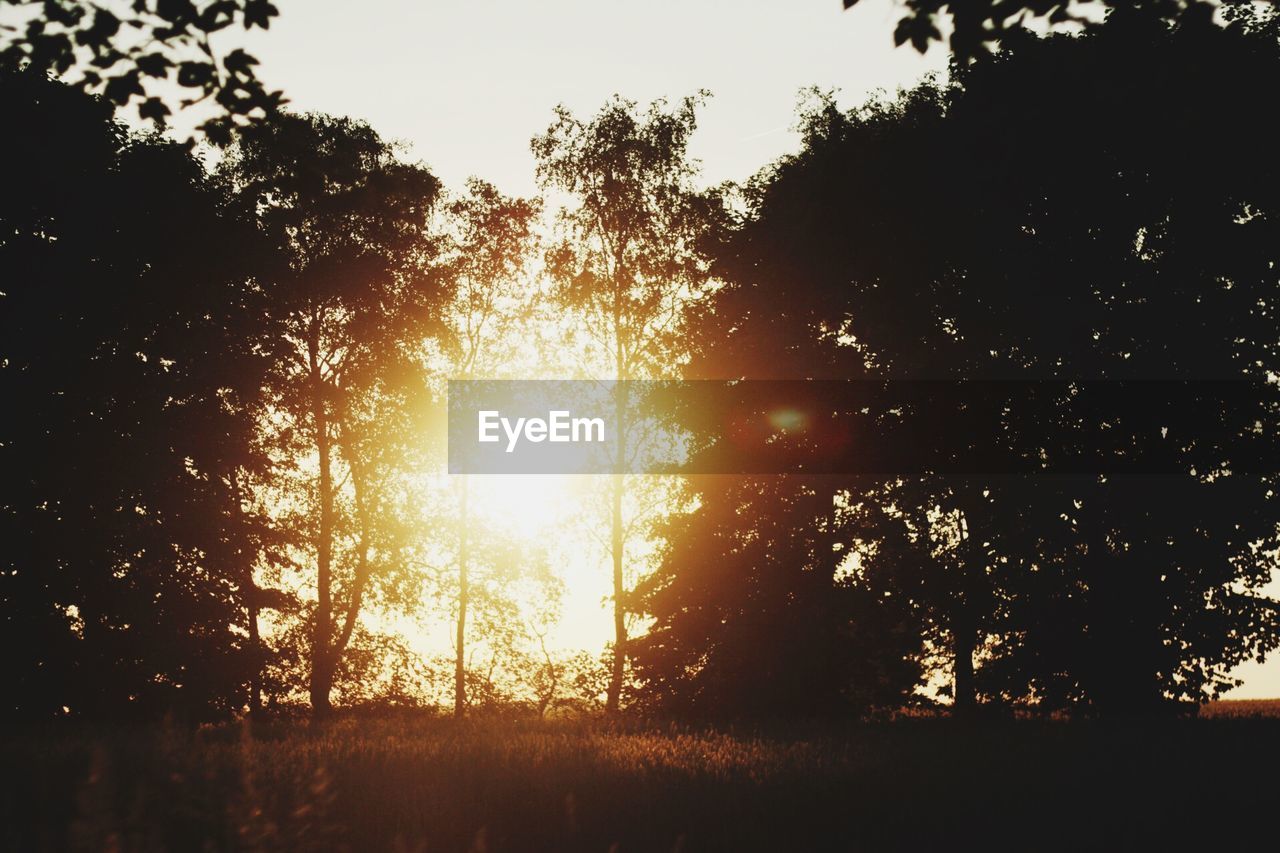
[[964, 629], [963, 647], [321, 665], [613, 698], [553, 679], [360, 580], [251, 609], [459, 670], [255, 643]]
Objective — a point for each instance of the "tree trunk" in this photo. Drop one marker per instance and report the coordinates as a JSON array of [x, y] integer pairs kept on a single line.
[[963, 647], [251, 603], [964, 628], [459, 670], [363, 570], [255, 643], [321, 666], [614, 697]]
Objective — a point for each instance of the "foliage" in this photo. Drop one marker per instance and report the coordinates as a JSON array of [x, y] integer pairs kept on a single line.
[[748, 595], [217, 490], [630, 262], [355, 298], [130, 52], [629, 252], [923, 238], [491, 242], [976, 28], [127, 552]]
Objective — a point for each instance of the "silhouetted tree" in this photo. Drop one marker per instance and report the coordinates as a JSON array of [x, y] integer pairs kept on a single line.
[[760, 610], [356, 302], [1148, 264], [1040, 218], [629, 262], [131, 354], [492, 244]]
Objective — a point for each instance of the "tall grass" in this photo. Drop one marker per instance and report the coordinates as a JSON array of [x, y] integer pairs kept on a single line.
[[423, 783]]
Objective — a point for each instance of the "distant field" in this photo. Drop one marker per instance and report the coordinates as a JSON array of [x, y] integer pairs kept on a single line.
[[1241, 708], [432, 785]]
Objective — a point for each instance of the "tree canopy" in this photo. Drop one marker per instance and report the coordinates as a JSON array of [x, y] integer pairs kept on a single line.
[[1015, 223], [220, 490]]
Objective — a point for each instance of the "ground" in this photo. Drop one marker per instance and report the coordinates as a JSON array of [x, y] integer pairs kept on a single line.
[[409, 782]]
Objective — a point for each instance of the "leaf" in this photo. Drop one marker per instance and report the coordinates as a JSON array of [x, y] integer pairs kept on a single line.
[[918, 29], [154, 65], [258, 13], [106, 57], [240, 63], [217, 16], [902, 32], [105, 25], [176, 11], [195, 74], [119, 90], [217, 131], [59, 13], [154, 109]]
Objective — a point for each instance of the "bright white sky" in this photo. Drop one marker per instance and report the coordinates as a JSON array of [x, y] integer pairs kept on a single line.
[[466, 83]]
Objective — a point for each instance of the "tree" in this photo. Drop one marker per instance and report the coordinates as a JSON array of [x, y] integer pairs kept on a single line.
[[1153, 270], [491, 248], [863, 299], [629, 262], [761, 611], [356, 302], [925, 239], [128, 53], [128, 554]]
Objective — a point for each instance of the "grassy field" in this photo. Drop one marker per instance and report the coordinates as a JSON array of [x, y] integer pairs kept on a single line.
[[1242, 709], [412, 783]]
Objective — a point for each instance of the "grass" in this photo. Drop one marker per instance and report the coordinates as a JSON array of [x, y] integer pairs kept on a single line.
[[415, 783]]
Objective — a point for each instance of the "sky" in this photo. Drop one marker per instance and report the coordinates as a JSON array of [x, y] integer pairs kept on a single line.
[[465, 85]]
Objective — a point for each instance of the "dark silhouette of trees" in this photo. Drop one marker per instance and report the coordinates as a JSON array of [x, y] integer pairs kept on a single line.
[[130, 53], [976, 28], [1056, 212], [130, 361], [1148, 263], [755, 617], [217, 385]]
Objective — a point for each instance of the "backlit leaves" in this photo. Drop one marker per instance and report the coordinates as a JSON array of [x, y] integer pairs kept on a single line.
[[976, 28], [120, 53]]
